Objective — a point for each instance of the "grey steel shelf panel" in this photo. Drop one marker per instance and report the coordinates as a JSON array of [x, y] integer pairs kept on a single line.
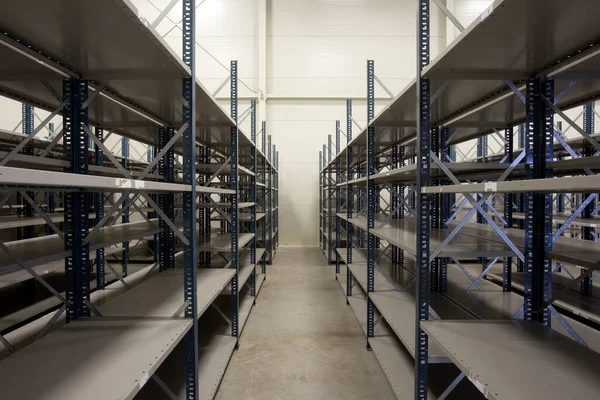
[[260, 279], [463, 171], [20, 178], [561, 218], [402, 233], [122, 353], [225, 205], [359, 272], [398, 309], [21, 275], [476, 91], [246, 304], [584, 306], [162, 295], [584, 253], [45, 249], [221, 242], [246, 269], [212, 168], [245, 217], [395, 363], [494, 304], [341, 278], [357, 256], [503, 358], [41, 307], [10, 222], [214, 352], [573, 184], [141, 93]]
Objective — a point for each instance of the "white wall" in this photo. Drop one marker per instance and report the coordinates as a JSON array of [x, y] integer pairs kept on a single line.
[[315, 58]]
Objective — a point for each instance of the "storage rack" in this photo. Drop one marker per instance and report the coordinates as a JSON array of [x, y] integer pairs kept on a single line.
[[136, 328], [429, 321]]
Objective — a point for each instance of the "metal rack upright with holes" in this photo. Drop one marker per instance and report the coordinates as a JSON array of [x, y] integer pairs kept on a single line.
[[139, 331]]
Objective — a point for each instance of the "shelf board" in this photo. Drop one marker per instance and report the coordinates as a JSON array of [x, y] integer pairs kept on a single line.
[[359, 272], [260, 279], [124, 353], [245, 307], [46, 249], [162, 295], [214, 352], [225, 205], [213, 168], [24, 178], [402, 233], [584, 253], [221, 242], [503, 358], [245, 217], [21, 275], [10, 222], [584, 306], [476, 98], [572, 184], [398, 309]]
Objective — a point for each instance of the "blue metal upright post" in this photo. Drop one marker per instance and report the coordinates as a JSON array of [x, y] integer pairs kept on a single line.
[[423, 179], [521, 197], [166, 203], [125, 216], [253, 196], [588, 233], [445, 206], [76, 204], [508, 212], [264, 196], [28, 127], [338, 199], [270, 204], [190, 252], [235, 302], [99, 208], [371, 195], [50, 195], [349, 199], [538, 207]]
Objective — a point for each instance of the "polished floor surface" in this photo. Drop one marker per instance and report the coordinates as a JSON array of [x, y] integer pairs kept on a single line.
[[302, 341]]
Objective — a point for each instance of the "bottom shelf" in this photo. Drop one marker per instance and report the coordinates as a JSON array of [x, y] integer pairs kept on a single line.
[[93, 359], [518, 359], [214, 353]]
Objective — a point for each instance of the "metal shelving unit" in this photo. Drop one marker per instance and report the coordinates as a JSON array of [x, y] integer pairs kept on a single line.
[[427, 234], [204, 200]]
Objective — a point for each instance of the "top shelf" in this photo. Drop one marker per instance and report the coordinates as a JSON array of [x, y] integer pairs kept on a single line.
[[140, 74], [477, 97]]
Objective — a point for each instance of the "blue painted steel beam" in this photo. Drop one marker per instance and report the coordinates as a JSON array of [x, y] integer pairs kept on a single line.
[[349, 198], [588, 233], [423, 180], [28, 128], [338, 194], [253, 196], [190, 253], [538, 207], [446, 201], [371, 198], [76, 204], [508, 212], [264, 196], [233, 181], [125, 215], [99, 209]]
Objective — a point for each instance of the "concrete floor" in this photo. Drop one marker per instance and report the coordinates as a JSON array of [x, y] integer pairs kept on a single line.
[[302, 341]]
